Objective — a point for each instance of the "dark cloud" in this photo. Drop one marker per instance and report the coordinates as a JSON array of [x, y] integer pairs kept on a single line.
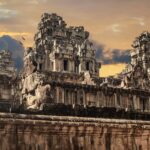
[[111, 56], [121, 56], [99, 50], [15, 47]]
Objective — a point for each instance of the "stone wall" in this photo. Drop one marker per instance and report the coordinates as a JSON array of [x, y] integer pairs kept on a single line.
[[69, 89], [37, 132], [100, 96]]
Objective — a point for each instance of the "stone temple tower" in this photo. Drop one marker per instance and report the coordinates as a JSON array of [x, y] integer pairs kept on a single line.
[[61, 54], [141, 53], [8, 88], [137, 73], [64, 49]]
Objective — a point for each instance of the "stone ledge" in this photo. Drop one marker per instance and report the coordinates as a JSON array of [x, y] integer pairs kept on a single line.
[[68, 120], [22, 131]]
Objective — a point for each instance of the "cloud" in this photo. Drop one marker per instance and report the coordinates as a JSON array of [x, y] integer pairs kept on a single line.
[[140, 21], [15, 33], [7, 13], [36, 2], [113, 61], [99, 50], [117, 56], [112, 56], [115, 28], [15, 47]]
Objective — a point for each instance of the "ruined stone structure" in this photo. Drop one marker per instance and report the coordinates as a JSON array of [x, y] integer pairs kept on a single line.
[[61, 73], [137, 74], [62, 70], [35, 132], [61, 79], [61, 54], [7, 78], [63, 49], [7, 67]]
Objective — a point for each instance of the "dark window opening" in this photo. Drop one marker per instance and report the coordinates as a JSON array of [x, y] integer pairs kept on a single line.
[[108, 141], [52, 65], [76, 98], [87, 66], [140, 147], [81, 97], [131, 102], [118, 99], [66, 97], [76, 69], [60, 95], [50, 31], [143, 103], [65, 65], [40, 66]]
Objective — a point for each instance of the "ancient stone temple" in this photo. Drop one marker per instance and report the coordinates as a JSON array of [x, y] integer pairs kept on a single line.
[[64, 49], [7, 67], [60, 102], [137, 73], [61, 54], [61, 72], [7, 78]]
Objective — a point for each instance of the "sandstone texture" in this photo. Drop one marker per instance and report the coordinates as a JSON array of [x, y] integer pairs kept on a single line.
[[38, 132]]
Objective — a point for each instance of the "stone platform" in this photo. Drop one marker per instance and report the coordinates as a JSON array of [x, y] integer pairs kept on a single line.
[[41, 132]]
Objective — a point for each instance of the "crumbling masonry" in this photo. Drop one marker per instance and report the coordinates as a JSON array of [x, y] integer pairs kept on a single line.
[[61, 79], [61, 70]]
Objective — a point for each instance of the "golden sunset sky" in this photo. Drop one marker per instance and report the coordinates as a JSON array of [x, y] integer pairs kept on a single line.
[[111, 23]]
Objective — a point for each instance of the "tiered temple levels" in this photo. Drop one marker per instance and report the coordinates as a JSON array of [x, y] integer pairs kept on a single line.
[[64, 49], [61, 75], [137, 74], [62, 70]]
